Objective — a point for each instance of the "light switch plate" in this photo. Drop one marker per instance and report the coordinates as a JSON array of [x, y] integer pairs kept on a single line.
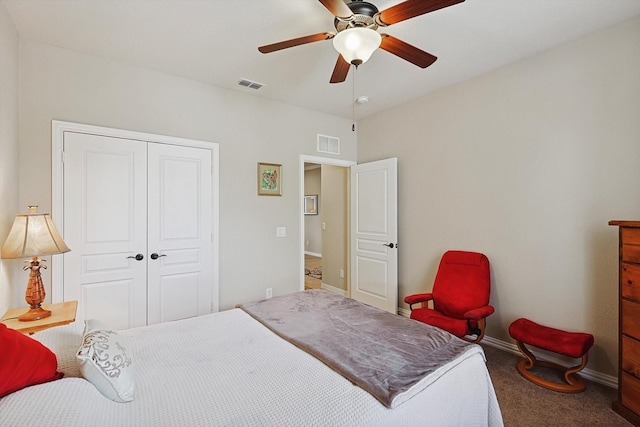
[[281, 231]]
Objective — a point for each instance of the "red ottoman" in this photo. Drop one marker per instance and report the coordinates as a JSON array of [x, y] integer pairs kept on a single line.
[[572, 344]]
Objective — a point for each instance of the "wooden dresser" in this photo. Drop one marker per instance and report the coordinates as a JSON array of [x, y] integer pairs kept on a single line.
[[628, 403]]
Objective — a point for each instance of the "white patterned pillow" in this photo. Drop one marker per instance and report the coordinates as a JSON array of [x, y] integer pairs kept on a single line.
[[105, 361]]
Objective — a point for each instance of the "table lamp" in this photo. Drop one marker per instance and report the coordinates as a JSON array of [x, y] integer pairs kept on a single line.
[[33, 235]]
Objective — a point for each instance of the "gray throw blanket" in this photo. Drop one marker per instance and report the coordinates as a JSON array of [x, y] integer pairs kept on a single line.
[[389, 356]]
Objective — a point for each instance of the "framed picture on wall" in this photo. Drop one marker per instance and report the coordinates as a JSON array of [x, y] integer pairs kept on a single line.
[[269, 179], [311, 204]]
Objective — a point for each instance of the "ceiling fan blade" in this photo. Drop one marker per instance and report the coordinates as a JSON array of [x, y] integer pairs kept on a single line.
[[338, 8], [295, 42], [406, 51], [412, 8], [340, 71]]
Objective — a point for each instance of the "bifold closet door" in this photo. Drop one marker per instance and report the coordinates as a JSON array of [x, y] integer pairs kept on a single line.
[[105, 225], [137, 217]]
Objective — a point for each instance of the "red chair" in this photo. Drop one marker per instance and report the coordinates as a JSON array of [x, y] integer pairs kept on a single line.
[[460, 296]]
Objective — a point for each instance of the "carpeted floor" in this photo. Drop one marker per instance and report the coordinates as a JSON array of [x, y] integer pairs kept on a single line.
[[525, 404]]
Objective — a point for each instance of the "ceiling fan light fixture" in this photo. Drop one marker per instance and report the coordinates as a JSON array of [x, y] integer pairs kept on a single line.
[[356, 45]]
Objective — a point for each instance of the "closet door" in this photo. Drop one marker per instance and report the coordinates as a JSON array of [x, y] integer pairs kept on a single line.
[[105, 225], [179, 232], [138, 220]]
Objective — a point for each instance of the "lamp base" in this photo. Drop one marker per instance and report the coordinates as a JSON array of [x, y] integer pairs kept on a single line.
[[35, 291], [34, 314]]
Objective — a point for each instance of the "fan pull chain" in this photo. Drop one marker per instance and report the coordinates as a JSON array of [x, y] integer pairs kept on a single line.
[[353, 100]]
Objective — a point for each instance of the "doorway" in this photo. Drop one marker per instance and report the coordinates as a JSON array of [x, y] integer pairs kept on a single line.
[[324, 250], [312, 226], [372, 227]]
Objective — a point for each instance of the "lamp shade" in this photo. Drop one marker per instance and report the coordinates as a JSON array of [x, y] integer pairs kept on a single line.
[[33, 234], [356, 45]]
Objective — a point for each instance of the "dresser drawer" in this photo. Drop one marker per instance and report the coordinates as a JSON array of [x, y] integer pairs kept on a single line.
[[631, 356], [630, 253], [630, 281], [630, 392], [630, 235], [631, 318]]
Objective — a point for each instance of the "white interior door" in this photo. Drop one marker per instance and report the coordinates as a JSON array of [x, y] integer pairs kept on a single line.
[[105, 215], [179, 232], [374, 234]]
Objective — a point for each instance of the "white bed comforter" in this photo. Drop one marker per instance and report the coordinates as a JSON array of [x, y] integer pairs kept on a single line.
[[226, 369]]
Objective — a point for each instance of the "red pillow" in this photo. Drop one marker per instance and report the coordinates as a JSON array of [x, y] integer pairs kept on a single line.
[[24, 362]]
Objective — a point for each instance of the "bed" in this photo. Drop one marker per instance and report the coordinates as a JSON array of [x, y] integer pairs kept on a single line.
[[237, 368]]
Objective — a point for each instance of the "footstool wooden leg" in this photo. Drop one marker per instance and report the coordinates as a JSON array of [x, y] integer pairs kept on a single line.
[[530, 359], [575, 383], [571, 374]]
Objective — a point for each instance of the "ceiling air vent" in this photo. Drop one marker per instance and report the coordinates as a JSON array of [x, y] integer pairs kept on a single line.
[[250, 84], [328, 144]]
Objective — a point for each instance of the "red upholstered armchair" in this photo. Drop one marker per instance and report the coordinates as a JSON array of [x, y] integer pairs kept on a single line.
[[460, 296]]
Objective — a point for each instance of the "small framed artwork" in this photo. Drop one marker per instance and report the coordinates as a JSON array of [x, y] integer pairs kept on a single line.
[[311, 204], [269, 179]]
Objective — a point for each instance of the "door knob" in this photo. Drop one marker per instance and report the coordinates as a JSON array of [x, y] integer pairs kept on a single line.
[[390, 245], [156, 256], [138, 257]]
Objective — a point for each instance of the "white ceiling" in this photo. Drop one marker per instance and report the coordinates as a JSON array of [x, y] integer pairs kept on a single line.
[[215, 41]]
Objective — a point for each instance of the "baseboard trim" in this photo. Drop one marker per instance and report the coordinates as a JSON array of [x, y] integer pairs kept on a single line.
[[313, 254], [589, 374], [404, 312], [333, 289]]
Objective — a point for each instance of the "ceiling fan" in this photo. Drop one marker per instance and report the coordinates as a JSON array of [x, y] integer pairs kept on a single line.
[[357, 37]]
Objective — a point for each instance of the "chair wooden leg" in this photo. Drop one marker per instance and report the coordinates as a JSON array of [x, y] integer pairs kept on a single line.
[[575, 383], [482, 323]]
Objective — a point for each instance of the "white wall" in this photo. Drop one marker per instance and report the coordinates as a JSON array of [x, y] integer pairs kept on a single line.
[[333, 213], [526, 164], [9, 186], [66, 85]]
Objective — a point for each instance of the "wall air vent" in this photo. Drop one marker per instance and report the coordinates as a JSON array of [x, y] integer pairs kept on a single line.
[[328, 144], [250, 84]]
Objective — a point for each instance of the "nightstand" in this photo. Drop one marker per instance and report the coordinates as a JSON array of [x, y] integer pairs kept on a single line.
[[61, 314]]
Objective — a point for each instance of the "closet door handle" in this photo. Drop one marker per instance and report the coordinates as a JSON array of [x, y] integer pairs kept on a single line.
[[156, 256], [138, 257]]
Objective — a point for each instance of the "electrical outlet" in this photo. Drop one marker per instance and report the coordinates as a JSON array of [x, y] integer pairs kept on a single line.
[[269, 292], [341, 273], [307, 243]]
